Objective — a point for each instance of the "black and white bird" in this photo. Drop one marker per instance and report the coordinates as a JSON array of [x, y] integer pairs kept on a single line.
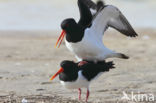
[[73, 76], [84, 38]]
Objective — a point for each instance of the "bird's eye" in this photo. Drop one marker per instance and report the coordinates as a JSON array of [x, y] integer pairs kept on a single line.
[[67, 25]]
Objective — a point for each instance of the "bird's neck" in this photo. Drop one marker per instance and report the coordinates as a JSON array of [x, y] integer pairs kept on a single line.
[[68, 76], [75, 35]]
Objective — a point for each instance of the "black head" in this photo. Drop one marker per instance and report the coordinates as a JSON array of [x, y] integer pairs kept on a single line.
[[68, 71], [74, 32], [69, 66], [67, 24], [71, 30]]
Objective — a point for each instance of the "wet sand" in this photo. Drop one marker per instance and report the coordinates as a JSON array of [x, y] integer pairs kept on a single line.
[[28, 59]]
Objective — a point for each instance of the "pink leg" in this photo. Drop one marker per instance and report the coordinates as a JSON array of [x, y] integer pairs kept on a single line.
[[82, 63], [87, 96], [79, 93]]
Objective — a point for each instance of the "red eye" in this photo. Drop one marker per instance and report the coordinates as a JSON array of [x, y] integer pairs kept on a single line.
[[67, 25]]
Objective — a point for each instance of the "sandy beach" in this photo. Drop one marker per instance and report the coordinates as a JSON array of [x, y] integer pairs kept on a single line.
[[27, 61], [28, 32]]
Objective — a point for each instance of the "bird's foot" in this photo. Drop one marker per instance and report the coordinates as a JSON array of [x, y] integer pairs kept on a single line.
[[81, 63], [87, 95], [79, 94]]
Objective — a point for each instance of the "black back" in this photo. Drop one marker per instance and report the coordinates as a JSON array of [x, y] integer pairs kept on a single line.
[[89, 70]]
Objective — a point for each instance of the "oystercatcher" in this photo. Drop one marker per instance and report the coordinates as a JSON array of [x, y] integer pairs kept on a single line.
[[84, 38], [74, 77]]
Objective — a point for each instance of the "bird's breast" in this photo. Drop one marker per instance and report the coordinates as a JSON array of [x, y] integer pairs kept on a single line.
[[88, 48]]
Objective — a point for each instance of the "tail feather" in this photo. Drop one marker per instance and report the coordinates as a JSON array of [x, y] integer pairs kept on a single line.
[[110, 65], [123, 56], [120, 55], [106, 66]]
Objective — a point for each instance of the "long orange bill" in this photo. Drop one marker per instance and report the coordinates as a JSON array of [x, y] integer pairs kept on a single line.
[[60, 39], [60, 71]]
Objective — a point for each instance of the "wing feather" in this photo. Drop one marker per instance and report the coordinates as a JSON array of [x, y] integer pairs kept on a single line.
[[122, 25], [85, 14], [90, 4], [110, 16]]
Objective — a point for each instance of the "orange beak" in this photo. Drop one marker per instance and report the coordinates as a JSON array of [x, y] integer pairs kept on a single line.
[[60, 71], [60, 38]]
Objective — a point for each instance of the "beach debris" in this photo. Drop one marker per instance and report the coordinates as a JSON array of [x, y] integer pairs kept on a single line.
[[33, 71], [40, 89], [145, 37], [47, 64], [44, 83], [24, 100], [1, 77], [18, 64]]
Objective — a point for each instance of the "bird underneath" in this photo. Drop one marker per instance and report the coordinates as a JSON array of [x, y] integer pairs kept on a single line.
[[84, 39], [73, 76]]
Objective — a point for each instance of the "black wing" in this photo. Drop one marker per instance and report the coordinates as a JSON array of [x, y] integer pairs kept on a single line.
[[91, 70], [95, 6], [100, 4], [90, 4], [85, 14]]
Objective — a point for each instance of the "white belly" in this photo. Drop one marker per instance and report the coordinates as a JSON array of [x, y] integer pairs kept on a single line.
[[89, 48], [81, 82]]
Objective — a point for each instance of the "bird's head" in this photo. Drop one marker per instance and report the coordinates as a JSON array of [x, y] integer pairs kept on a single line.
[[68, 26], [66, 67]]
